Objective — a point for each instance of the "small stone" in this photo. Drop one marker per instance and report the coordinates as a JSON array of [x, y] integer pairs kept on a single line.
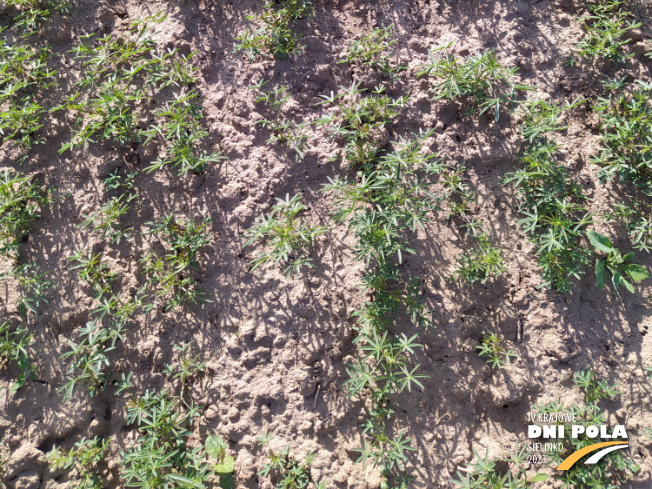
[[636, 35], [119, 10], [308, 387], [26, 457], [29, 480]]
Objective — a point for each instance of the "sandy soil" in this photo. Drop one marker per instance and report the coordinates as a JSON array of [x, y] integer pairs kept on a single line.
[[270, 341]]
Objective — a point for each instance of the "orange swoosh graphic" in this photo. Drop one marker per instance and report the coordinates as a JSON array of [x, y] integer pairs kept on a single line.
[[574, 457]]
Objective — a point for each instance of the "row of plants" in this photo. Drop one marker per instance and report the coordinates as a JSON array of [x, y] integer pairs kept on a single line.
[[161, 453], [22, 198], [552, 204], [114, 99], [387, 200]]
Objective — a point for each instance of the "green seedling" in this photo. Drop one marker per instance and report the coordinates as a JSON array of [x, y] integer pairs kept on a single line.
[[606, 26], [390, 198], [360, 118], [275, 36], [21, 198], [96, 274], [185, 368], [594, 389], [619, 265], [83, 458], [32, 285], [286, 234], [182, 133], [486, 473], [88, 360], [291, 473], [13, 351], [492, 350], [170, 277], [120, 78], [634, 215], [483, 261], [161, 455], [481, 78], [369, 51], [649, 372], [626, 117], [542, 118], [24, 76], [293, 136], [550, 201], [107, 218], [457, 192], [33, 13]]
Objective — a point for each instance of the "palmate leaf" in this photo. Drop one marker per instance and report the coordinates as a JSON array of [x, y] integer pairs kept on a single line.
[[600, 242]]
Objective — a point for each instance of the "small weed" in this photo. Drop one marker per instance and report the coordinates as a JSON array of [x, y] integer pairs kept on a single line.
[[185, 368], [34, 12], [549, 200], [605, 25], [107, 218], [21, 197], [485, 473], [95, 273], [616, 263], [276, 36], [88, 359], [287, 234], [182, 133], [13, 351], [216, 447], [594, 389], [649, 372], [370, 51], [291, 473], [32, 284], [481, 78], [360, 120], [626, 117], [480, 263], [83, 458], [293, 136], [170, 276], [492, 350]]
